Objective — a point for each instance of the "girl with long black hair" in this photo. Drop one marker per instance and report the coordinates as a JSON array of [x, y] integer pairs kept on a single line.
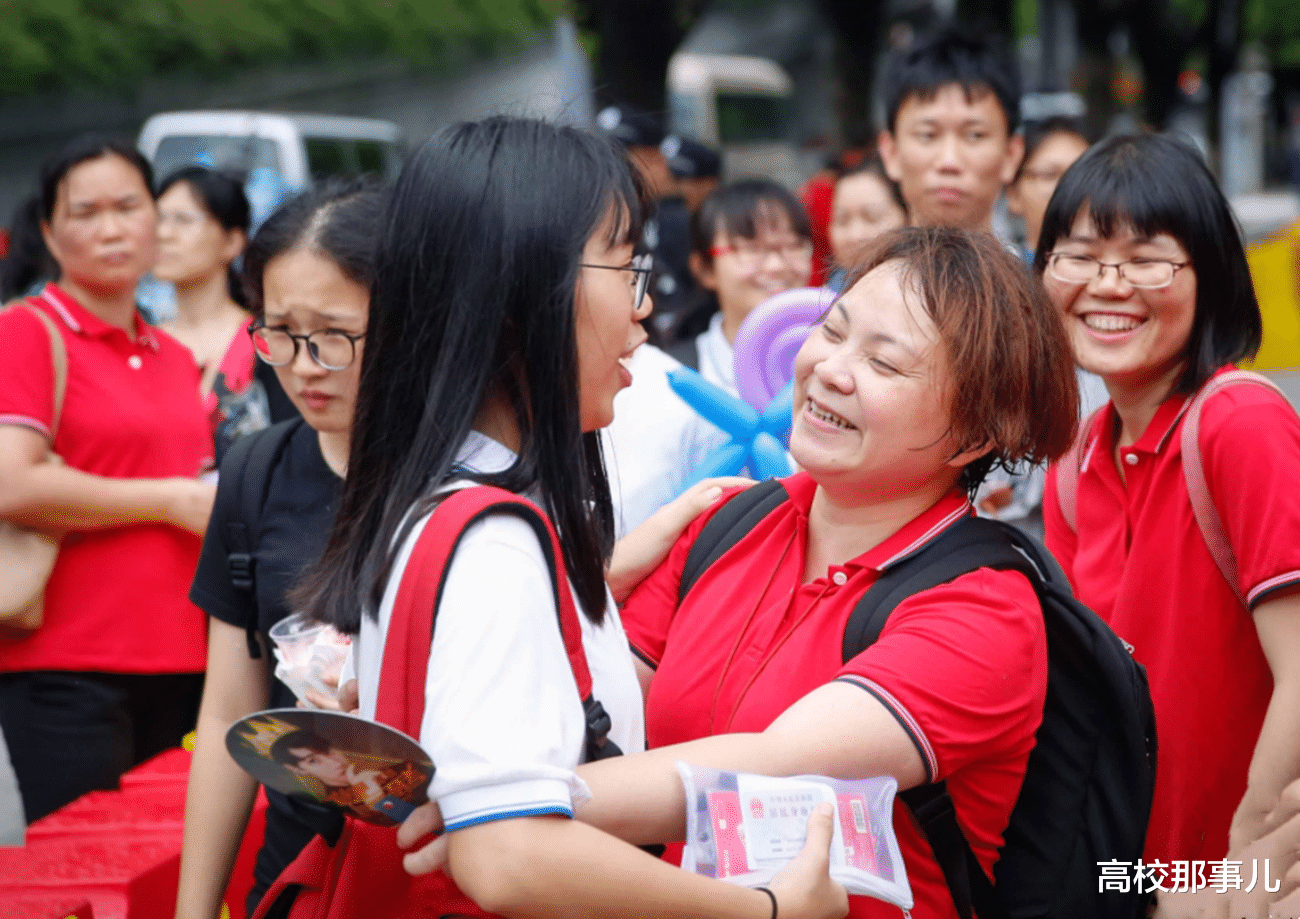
[[506, 302]]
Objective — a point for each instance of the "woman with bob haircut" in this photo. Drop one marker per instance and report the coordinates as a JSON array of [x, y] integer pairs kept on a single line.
[[1142, 257], [506, 301], [942, 359]]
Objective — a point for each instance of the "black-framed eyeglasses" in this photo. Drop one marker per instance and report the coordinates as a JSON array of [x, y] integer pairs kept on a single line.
[[641, 266], [1146, 273], [331, 349]]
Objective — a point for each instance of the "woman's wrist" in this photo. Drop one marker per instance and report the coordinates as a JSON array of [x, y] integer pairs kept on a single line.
[[772, 897]]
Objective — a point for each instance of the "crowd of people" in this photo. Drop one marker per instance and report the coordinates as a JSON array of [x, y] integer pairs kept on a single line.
[[505, 316]]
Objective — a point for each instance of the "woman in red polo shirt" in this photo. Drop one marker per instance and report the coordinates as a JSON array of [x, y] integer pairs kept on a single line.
[[114, 673], [942, 358], [1141, 253]]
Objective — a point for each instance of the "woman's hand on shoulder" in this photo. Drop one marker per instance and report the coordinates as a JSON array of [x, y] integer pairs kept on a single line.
[[640, 551], [804, 888]]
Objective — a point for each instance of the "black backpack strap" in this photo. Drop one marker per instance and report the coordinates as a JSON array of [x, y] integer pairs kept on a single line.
[[728, 526], [249, 462], [968, 545]]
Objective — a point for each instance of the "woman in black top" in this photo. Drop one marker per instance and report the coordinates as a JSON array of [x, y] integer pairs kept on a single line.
[[307, 273]]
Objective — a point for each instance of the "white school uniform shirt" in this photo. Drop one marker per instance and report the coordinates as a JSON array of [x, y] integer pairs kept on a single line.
[[655, 442], [503, 723]]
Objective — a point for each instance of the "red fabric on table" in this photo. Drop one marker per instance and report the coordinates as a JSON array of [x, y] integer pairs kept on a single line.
[[117, 850]]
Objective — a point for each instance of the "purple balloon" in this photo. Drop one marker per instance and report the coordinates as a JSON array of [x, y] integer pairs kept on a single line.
[[770, 337]]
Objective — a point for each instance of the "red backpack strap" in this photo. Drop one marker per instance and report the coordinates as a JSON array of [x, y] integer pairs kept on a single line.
[[1068, 469], [410, 630], [1198, 487]]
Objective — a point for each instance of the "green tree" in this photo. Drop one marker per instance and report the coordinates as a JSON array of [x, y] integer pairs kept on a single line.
[[51, 43]]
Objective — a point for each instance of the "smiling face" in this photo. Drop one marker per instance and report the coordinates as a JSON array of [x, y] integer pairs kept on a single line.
[[747, 270], [608, 326], [305, 292], [871, 410], [1130, 336], [103, 232], [951, 155], [192, 245], [863, 210]]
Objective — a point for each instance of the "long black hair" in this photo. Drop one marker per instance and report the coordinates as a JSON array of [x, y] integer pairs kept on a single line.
[[1157, 184], [28, 261], [223, 198], [474, 299]]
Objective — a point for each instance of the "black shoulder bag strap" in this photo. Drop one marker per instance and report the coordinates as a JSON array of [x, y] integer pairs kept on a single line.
[[728, 526], [250, 461], [969, 544]]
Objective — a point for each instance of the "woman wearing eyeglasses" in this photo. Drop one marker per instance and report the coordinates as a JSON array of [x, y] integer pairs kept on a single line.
[[307, 274], [1141, 254]]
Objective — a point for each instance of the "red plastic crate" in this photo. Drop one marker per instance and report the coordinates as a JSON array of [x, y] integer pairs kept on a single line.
[[116, 854]]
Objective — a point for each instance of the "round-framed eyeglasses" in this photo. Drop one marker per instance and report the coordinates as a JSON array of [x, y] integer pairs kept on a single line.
[[641, 266], [1146, 273], [331, 349]]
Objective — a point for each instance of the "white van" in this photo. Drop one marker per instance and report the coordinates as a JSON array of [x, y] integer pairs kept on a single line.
[[300, 149], [738, 105]]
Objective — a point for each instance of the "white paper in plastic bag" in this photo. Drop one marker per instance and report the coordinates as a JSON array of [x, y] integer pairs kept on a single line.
[[745, 828]]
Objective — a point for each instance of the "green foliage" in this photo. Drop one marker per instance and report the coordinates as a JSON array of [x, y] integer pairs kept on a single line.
[[50, 43], [1025, 14], [1275, 24]]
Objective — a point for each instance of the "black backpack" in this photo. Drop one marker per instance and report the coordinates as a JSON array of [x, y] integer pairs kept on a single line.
[[1087, 790], [249, 461]]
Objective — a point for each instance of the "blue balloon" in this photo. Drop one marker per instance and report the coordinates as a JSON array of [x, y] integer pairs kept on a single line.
[[729, 459], [736, 417], [767, 457], [756, 440], [776, 418]]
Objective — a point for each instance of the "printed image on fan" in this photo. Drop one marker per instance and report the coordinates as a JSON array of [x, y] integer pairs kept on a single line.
[[367, 770]]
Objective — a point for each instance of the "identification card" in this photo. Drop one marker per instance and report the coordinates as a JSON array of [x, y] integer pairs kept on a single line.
[[776, 813]]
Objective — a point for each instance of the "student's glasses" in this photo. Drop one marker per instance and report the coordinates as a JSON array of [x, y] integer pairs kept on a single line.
[[1147, 273], [752, 254], [331, 349], [641, 266]]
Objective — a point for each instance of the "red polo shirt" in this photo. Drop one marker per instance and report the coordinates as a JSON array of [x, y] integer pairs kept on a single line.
[[117, 600], [963, 667], [1140, 562]]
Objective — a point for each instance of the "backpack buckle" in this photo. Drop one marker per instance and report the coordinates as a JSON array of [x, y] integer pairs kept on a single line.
[[241, 570], [598, 721]]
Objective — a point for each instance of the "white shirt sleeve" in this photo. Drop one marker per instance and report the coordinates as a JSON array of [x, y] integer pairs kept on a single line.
[[502, 720]]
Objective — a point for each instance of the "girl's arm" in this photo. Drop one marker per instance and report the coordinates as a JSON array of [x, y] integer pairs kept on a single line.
[[543, 867], [50, 496], [1276, 761], [220, 794], [837, 730]]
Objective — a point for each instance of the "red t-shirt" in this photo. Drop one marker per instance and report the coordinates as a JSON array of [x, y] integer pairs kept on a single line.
[[117, 599], [1140, 562], [963, 667]]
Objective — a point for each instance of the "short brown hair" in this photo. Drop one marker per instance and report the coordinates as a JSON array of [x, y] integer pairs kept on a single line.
[[1010, 361]]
